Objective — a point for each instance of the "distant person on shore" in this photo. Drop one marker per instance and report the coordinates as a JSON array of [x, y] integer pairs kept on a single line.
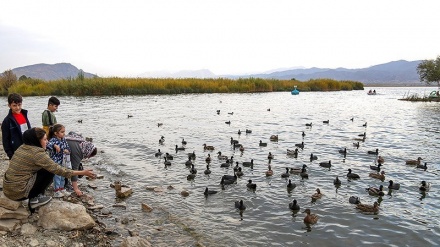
[[48, 116], [59, 151], [80, 149], [31, 171], [14, 125]]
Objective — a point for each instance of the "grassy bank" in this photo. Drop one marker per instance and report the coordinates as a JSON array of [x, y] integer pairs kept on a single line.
[[142, 86]]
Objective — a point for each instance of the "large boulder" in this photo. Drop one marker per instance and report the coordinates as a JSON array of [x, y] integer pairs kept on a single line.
[[64, 215]]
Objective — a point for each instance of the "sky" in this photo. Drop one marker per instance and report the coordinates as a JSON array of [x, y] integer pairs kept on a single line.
[[126, 38]]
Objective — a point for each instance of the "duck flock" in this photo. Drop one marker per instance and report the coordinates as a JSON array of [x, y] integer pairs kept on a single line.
[[303, 160]]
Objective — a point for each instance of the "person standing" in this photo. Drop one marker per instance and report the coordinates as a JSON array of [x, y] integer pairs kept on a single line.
[[14, 124], [48, 116]]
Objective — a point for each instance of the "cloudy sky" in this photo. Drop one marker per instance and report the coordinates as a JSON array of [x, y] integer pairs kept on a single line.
[[130, 37]]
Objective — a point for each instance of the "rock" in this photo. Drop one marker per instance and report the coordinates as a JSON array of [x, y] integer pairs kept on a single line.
[[92, 185], [158, 189], [120, 205], [133, 233], [8, 203], [135, 242], [95, 207], [34, 242], [146, 207], [51, 243], [64, 216], [125, 221], [9, 225], [105, 211], [99, 176], [170, 187], [184, 193], [122, 192], [20, 213], [28, 229]]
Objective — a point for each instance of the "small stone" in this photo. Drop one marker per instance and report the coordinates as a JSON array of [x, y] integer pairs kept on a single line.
[[133, 233], [146, 207], [34, 242], [92, 185], [124, 221], [51, 243], [120, 205], [99, 176], [95, 207], [105, 211], [184, 193], [28, 229], [170, 187], [158, 189]]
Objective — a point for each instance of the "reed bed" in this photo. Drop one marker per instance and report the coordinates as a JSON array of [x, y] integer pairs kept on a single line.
[[142, 86]]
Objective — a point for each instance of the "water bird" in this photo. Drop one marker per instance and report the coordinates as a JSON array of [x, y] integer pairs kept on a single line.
[[270, 156], [191, 175], [352, 119], [228, 122], [298, 170], [376, 168], [251, 185], [208, 159], [356, 144], [192, 155], [326, 164], [240, 205], [309, 124], [206, 147], [424, 187], [310, 218], [239, 132], [343, 151], [326, 121], [313, 157], [226, 181], [304, 173], [393, 186], [286, 174], [380, 160], [364, 125], [294, 205], [303, 134], [236, 166], [218, 112], [158, 154], [380, 176], [269, 172], [80, 121], [360, 139], [241, 148], [169, 156], [376, 152], [221, 157], [207, 171], [337, 181], [300, 145], [373, 191], [368, 208], [129, 116], [292, 152], [268, 109], [225, 164], [248, 131], [179, 148], [414, 162], [230, 177], [193, 169], [274, 138], [233, 141], [364, 134], [317, 195], [263, 144], [183, 141], [161, 140], [239, 173], [231, 113], [352, 175], [209, 192], [166, 162], [424, 166], [189, 162], [354, 200], [291, 185], [159, 124]]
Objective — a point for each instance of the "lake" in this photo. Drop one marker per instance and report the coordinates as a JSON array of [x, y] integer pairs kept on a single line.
[[401, 130]]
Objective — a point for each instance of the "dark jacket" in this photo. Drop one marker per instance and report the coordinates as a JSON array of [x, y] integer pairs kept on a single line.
[[12, 137]]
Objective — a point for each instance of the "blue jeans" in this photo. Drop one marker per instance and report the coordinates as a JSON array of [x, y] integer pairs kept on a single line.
[[58, 182]]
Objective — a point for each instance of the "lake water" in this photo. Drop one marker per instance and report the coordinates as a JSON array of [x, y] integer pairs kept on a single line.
[[400, 130]]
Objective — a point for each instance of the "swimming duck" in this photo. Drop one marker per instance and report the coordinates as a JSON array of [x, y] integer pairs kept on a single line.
[[424, 166], [376, 168], [161, 140], [158, 154], [247, 164], [234, 141], [239, 132], [326, 121], [380, 160], [166, 162], [364, 134], [226, 164], [251, 185], [298, 170], [231, 113], [360, 139], [300, 145], [352, 119], [365, 124], [159, 124], [326, 164], [192, 155], [317, 195], [248, 131], [230, 177], [274, 138], [193, 169], [169, 156], [368, 208], [293, 152], [206, 147], [393, 186], [354, 200], [286, 174], [303, 173], [241, 148], [129, 116], [269, 172], [236, 166], [209, 192], [373, 191], [221, 157], [424, 187], [310, 218], [263, 144], [414, 162], [294, 205], [226, 181], [356, 144], [183, 141], [343, 151], [240, 205], [313, 157], [352, 175], [191, 176], [188, 162], [291, 185], [179, 148], [230, 160], [239, 173], [228, 122], [208, 159], [270, 156], [337, 181], [309, 124], [303, 134], [380, 175], [376, 152], [207, 171]]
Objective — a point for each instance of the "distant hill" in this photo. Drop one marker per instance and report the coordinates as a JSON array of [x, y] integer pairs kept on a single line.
[[397, 73], [49, 72]]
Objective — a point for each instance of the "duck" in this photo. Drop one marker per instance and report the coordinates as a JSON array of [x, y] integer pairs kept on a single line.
[[191, 176], [251, 185], [263, 144], [236, 166], [247, 163], [193, 169], [343, 151], [207, 171], [169, 156], [218, 111], [209, 192], [352, 175], [183, 141], [239, 173], [230, 177], [293, 152], [373, 191], [208, 159], [414, 162], [192, 155], [298, 170], [368, 208], [221, 157], [354, 200], [352, 119], [269, 172], [239, 132], [248, 131], [376, 152], [309, 124], [313, 157], [304, 173], [226, 181], [230, 160], [158, 154], [424, 166], [294, 205], [241, 148], [360, 139], [231, 113], [233, 141], [129, 116], [310, 218], [364, 125], [326, 121], [206, 147], [286, 174], [393, 186], [424, 186], [228, 122], [274, 138], [378, 175], [380, 160], [80, 121], [291, 185], [364, 134], [317, 195], [326, 164], [240, 205], [188, 162], [162, 140], [356, 144], [303, 134], [337, 181], [376, 168], [179, 148], [226, 164], [270, 156], [166, 162], [300, 145], [159, 124]]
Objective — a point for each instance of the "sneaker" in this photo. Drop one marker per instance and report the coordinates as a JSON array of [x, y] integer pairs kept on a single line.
[[58, 194], [65, 192], [39, 201]]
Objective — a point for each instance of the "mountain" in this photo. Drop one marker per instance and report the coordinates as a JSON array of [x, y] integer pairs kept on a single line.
[[50, 72], [397, 73], [202, 73]]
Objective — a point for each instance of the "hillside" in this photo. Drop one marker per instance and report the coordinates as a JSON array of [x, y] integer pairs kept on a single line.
[[50, 72]]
